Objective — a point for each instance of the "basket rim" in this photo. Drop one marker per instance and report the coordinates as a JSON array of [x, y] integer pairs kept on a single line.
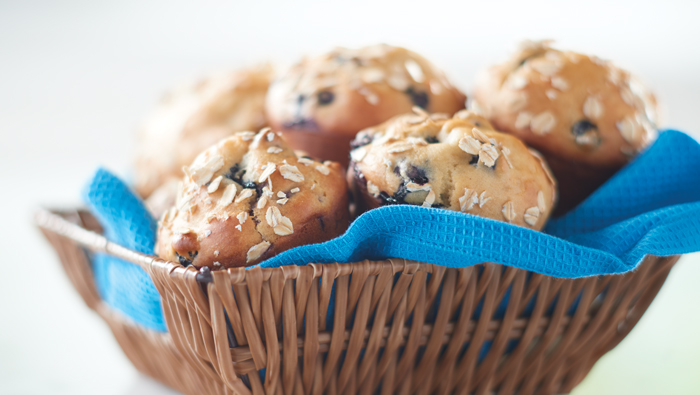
[[54, 220]]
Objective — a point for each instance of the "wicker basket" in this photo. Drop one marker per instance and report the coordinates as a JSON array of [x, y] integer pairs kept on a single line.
[[398, 326]]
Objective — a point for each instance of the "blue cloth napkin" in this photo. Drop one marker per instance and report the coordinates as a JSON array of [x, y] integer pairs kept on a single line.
[[652, 206]]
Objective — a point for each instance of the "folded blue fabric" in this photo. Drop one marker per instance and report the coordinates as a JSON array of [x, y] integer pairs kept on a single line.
[[652, 206], [123, 285]]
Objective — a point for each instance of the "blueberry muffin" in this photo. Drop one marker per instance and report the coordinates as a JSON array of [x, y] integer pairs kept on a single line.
[[585, 115], [457, 163], [250, 197], [193, 117], [321, 103]]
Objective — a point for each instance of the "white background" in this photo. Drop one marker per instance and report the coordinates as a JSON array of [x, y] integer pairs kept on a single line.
[[76, 78]]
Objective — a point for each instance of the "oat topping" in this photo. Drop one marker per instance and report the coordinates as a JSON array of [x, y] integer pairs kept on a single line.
[[239, 227], [245, 194], [468, 200], [387, 162], [414, 187], [207, 232], [540, 201], [506, 151], [531, 215], [216, 252], [217, 264], [282, 201], [270, 136], [294, 190], [358, 154], [488, 155], [470, 145], [592, 108], [516, 82], [305, 161], [228, 195], [551, 94], [628, 130], [400, 147], [274, 150], [372, 189], [559, 83], [209, 217], [370, 96], [262, 202], [517, 102], [483, 199], [246, 136], [267, 171], [242, 217], [509, 211], [429, 199], [202, 175], [414, 70], [280, 224], [214, 185], [312, 187], [547, 68], [292, 173], [257, 251], [523, 120], [480, 135], [281, 194], [323, 169], [543, 123]]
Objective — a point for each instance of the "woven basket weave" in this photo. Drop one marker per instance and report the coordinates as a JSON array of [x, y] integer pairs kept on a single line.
[[398, 326]]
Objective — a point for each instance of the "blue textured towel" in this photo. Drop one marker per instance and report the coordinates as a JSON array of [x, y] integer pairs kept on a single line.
[[652, 206]]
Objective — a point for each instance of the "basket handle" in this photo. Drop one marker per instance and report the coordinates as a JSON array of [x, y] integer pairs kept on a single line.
[[52, 222]]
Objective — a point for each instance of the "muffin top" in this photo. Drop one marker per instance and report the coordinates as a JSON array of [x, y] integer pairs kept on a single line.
[[250, 197], [346, 90], [458, 163], [569, 105], [194, 116]]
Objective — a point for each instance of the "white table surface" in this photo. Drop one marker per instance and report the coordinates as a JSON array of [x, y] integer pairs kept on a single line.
[[76, 78]]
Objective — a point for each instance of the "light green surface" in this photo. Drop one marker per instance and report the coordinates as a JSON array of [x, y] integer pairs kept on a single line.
[[662, 353]]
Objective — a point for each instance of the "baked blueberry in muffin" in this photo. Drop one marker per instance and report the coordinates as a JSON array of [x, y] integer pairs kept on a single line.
[[321, 103], [250, 197], [585, 115], [457, 163]]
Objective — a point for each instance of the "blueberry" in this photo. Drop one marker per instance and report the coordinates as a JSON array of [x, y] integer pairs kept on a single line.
[[583, 126], [474, 160], [325, 98], [183, 261], [386, 199], [417, 175], [586, 134], [433, 140], [418, 98], [361, 140]]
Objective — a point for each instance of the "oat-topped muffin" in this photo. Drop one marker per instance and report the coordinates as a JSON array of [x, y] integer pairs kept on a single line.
[[321, 103], [248, 198], [194, 116], [585, 115], [458, 163]]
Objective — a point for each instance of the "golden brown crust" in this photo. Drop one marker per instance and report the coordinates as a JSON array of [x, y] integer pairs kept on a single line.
[[321, 103], [195, 116], [585, 115], [457, 163], [249, 198]]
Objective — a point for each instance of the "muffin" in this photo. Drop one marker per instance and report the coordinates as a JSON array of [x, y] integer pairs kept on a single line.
[[193, 117], [321, 103], [250, 197], [585, 115], [457, 163]]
